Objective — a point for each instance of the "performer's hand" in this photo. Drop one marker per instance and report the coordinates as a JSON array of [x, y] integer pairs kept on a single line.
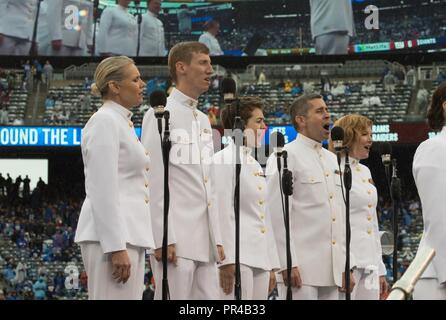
[[121, 266], [296, 281], [227, 275], [56, 44], [383, 287], [352, 282], [171, 254], [272, 282], [221, 252]]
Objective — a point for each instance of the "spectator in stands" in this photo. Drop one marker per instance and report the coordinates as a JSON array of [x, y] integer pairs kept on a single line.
[[39, 288], [114, 226], [441, 77], [2, 185], [185, 19], [411, 77], [370, 270], [118, 31], [422, 100], [331, 25], [74, 40], [48, 74], [86, 102], [16, 26], [297, 89], [430, 174], [152, 42], [4, 118], [389, 82], [262, 77], [212, 28]]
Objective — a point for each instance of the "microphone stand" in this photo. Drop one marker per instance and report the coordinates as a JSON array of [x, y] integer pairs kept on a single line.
[[95, 17], [166, 146], [348, 186], [395, 188], [238, 140], [139, 17], [33, 49], [287, 184]]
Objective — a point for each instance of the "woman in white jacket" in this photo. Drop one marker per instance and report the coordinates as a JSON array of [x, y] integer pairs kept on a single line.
[[258, 252], [114, 227], [365, 242]]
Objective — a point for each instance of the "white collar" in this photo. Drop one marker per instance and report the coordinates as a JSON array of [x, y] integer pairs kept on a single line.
[[309, 142], [126, 113], [183, 99]]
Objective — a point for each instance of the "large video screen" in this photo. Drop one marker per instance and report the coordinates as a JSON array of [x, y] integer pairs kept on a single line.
[[231, 28]]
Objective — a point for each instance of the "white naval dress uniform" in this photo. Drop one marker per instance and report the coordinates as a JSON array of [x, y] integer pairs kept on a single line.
[[75, 39], [317, 228], [118, 32], [116, 212], [17, 18], [258, 251], [212, 43], [365, 241], [430, 174], [152, 41], [193, 216]]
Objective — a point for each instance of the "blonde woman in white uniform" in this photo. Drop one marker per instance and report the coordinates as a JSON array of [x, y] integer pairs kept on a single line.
[[118, 31], [365, 242], [258, 251], [114, 226]]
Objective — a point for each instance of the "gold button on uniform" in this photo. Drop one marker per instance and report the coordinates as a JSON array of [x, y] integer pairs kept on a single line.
[[333, 219], [147, 168], [147, 200], [263, 230], [260, 188], [327, 174], [130, 124], [370, 205], [369, 218], [147, 153], [146, 185], [209, 204], [333, 242], [205, 180], [331, 196], [364, 180], [358, 169], [369, 192], [369, 231], [261, 202]]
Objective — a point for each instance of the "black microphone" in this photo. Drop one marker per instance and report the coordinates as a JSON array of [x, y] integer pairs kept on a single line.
[[337, 136], [277, 141], [386, 153], [287, 180], [228, 90], [158, 102], [396, 183]]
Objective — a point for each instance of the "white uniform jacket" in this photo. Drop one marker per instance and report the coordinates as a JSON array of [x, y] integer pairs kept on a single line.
[[152, 36], [257, 243], [430, 175], [365, 240], [212, 43], [72, 36], [118, 32], [17, 18], [317, 227], [193, 216], [116, 209]]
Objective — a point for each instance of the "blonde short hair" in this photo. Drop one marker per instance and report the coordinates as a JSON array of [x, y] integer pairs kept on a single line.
[[354, 125], [182, 52], [110, 69]]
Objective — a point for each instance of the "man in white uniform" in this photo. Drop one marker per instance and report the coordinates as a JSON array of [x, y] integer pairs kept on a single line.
[[430, 174], [17, 18], [69, 36], [209, 38], [152, 41], [317, 229], [194, 237]]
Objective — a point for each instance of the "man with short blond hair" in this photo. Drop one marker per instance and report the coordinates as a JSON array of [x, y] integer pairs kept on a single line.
[[194, 240]]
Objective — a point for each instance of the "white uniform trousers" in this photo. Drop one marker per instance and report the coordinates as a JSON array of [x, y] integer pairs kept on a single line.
[[66, 51], [315, 293], [429, 289], [101, 285], [14, 46], [254, 283], [332, 43], [366, 286], [281, 288], [188, 280]]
